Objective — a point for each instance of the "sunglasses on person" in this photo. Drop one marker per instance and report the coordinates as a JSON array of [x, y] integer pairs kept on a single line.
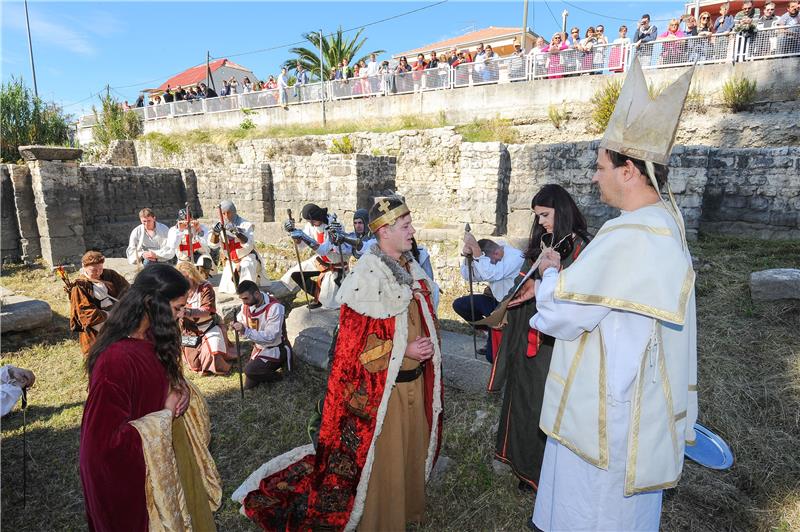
[[704, 18]]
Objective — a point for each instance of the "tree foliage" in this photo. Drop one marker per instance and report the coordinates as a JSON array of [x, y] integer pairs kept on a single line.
[[335, 47], [26, 119], [113, 123]]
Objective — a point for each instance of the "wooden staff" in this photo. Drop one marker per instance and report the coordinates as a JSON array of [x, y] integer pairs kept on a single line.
[[469, 258]]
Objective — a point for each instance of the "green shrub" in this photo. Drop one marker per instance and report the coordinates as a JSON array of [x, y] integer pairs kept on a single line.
[[114, 123], [603, 103], [26, 119], [247, 124], [696, 102], [738, 93], [167, 143], [343, 145], [557, 116]]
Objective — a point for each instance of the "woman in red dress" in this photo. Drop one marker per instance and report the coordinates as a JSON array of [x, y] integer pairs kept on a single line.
[[135, 379]]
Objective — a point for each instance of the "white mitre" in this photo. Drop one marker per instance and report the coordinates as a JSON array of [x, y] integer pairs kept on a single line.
[[644, 128]]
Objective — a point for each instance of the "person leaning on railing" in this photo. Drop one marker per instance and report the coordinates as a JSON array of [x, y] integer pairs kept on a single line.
[[619, 49], [672, 51], [789, 39], [586, 48], [765, 43], [555, 67]]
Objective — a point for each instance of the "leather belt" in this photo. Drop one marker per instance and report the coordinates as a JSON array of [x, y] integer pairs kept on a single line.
[[410, 375]]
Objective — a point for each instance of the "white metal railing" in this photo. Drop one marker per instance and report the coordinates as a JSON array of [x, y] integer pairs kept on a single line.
[[494, 70], [600, 59], [772, 42], [706, 49]]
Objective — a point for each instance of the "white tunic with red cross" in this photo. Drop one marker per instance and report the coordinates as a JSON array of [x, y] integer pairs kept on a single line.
[[178, 246], [243, 255]]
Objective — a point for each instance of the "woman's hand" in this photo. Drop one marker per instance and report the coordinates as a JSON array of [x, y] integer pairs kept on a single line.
[[526, 293], [549, 259], [178, 399]]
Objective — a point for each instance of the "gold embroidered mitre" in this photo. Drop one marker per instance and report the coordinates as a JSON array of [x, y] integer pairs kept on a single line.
[[641, 127]]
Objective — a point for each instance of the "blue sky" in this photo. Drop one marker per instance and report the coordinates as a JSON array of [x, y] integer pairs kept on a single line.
[[79, 47]]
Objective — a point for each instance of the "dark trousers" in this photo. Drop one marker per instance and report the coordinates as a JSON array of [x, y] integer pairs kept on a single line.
[[310, 282], [260, 370], [484, 305]]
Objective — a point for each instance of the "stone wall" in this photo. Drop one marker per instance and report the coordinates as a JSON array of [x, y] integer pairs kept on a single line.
[[111, 197], [10, 250], [25, 206], [754, 192]]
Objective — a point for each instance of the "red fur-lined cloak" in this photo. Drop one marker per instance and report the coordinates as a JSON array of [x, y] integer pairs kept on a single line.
[[304, 490]]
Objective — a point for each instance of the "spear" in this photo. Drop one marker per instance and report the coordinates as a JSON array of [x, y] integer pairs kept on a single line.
[[469, 258]]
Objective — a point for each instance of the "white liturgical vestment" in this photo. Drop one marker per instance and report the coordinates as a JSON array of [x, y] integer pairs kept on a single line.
[[621, 397]]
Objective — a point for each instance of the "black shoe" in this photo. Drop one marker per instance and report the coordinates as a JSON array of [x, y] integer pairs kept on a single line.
[[314, 304], [524, 486]]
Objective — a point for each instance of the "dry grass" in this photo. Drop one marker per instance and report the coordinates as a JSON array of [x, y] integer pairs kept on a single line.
[[176, 142], [749, 393]]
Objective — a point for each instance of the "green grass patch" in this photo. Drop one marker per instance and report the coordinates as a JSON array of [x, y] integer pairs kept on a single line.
[[491, 130], [749, 381], [169, 144]]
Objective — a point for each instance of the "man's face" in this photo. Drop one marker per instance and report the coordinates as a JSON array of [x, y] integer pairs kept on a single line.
[[94, 271], [644, 22], [315, 223], [769, 10], [723, 9], [228, 215], [623, 32], [398, 237], [358, 225], [608, 179], [600, 30], [177, 305], [149, 222], [496, 255], [250, 298], [794, 7]]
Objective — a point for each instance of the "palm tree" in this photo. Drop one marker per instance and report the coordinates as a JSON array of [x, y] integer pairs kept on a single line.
[[335, 47]]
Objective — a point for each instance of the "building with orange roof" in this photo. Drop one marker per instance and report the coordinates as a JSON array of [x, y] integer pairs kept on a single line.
[[221, 69], [502, 40]]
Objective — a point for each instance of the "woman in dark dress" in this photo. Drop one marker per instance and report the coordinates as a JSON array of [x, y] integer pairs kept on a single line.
[[140, 404], [523, 359]]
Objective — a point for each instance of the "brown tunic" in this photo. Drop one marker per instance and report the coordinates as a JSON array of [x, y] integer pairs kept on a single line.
[[211, 354], [84, 308], [396, 492]]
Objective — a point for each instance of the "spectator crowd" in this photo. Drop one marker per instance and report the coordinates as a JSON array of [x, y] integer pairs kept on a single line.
[[686, 39]]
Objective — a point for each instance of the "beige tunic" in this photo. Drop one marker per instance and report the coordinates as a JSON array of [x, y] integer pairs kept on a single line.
[[396, 493]]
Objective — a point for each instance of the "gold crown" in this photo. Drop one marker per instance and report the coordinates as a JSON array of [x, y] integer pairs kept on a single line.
[[644, 128], [389, 215]]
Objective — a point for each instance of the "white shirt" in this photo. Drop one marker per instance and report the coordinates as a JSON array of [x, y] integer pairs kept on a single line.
[[326, 248], [269, 333], [140, 241], [500, 276], [372, 68], [10, 391], [282, 84]]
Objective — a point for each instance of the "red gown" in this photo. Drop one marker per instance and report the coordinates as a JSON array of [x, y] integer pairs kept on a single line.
[[128, 382]]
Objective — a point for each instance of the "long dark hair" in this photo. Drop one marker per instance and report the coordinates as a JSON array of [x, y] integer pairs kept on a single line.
[[150, 295], [568, 220]]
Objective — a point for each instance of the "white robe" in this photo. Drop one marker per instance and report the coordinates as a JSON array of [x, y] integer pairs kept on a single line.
[[609, 313], [326, 250], [574, 494], [250, 265]]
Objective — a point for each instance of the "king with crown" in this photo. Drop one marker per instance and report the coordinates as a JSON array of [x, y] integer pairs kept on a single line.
[[382, 418], [620, 399]]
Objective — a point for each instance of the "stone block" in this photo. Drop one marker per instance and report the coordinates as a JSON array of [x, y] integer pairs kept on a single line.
[[20, 313], [775, 284], [49, 153], [311, 333]]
